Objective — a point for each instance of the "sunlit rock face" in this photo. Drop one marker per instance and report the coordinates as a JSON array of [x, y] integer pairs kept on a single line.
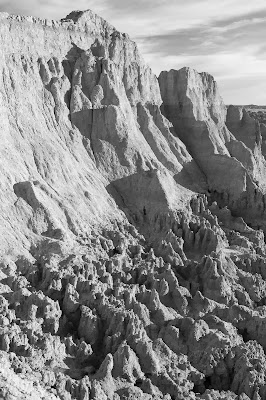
[[80, 109], [131, 255]]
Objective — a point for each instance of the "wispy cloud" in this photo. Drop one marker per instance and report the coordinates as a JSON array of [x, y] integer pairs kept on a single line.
[[232, 50], [236, 25]]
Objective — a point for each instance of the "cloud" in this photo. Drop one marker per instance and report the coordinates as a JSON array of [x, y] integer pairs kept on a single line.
[[203, 38], [166, 16], [13, 7], [237, 25], [232, 50]]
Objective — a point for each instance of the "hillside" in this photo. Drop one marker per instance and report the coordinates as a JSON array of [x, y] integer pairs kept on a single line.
[[132, 222]]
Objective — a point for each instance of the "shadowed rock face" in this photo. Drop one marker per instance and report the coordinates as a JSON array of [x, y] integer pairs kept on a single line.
[[219, 140], [132, 263]]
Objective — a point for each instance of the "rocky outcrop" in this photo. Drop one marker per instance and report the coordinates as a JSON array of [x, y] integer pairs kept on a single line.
[[132, 259], [218, 140]]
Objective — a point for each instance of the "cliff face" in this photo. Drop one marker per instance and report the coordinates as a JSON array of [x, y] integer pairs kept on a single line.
[[219, 140], [50, 185], [80, 109], [131, 263]]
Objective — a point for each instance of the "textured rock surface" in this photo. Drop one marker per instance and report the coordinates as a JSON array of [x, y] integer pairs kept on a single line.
[[132, 219], [219, 139]]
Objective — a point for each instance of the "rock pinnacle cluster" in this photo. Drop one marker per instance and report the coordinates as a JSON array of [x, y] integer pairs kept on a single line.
[[132, 222]]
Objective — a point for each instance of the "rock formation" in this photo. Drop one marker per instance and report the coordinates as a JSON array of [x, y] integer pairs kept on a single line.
[[132, 220]]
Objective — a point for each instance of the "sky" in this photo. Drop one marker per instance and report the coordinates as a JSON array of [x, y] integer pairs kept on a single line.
[[223, 37]]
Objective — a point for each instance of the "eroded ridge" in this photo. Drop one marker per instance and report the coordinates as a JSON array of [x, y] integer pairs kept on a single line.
[[132, 220]]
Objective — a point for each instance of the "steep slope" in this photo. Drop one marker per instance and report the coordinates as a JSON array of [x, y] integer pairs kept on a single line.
[[219, 141], [49, 183], [79, 109], [120, 277]]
